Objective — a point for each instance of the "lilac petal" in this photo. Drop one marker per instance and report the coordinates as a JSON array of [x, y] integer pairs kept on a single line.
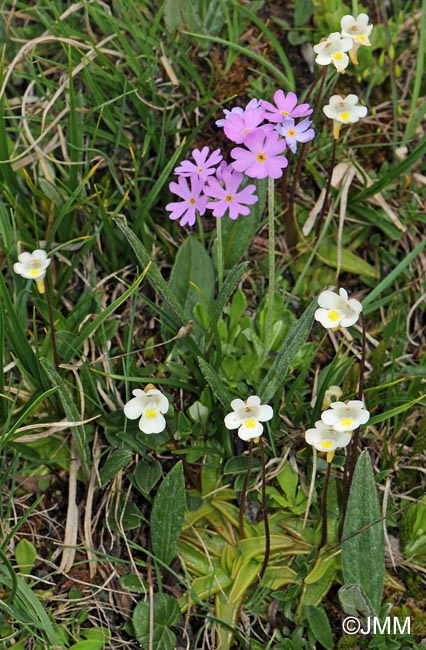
[[177, 209]]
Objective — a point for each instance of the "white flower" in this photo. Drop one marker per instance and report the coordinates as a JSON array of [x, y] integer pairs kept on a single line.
[[32, 266], [326, 438], [332, 50], [344, 110], [336, 310], [148, 405], [346, 416], [359, 30], [247, 416]]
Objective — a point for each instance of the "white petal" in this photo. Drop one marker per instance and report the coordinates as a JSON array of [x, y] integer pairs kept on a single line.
[[238, 404], [329, 300], [355, 404], [19, 268], [247, 433], [330, 417], [232, 421], [265, 413], [253, 400], [344, 439], [348, 321], [347, 22], [133, 409], [152, 425], [312, 436], [25, 258], [323, 317]]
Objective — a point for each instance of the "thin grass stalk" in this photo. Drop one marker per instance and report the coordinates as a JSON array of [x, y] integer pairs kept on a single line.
[[244, 490], [324, 206], [289, 213], [265, 514]]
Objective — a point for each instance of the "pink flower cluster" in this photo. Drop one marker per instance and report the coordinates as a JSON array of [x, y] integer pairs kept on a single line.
[[264, 130]]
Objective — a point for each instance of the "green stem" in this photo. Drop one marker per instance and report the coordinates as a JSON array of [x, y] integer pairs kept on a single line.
[[271, 275], [244, 491], [219, 250], [265, 515], [324, 507], [349, 468]]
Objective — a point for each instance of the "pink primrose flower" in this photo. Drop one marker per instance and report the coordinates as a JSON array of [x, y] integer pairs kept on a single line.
[[285, 106], [294, 133], [227, 194], [193, 200], [204, 166], [262, 157]]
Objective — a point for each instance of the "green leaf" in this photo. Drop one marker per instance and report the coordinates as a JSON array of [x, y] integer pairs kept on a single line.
[[354, 601], [72, 414], [147, 474], [215, 383], [18, 339], [89, 644], [118, 459], [231, 282], [192, 276], [165, 613], [154, 276], [363, 542], [167, 515], [238, 234], [25, 556], [320, 626], [328, 253], [291, 345]]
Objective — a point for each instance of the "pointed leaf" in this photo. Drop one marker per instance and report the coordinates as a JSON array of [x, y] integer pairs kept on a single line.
[[363, 541], [167, 516], [291, 345]]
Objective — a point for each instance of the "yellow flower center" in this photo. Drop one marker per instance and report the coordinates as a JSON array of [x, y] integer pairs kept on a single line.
[[192, 200], [151, 413], [229, 198], [346, 422], [344, 116], [200, 169], [326, 444], [337, 56], [261, 157], [333, 315], [34, 272], [361, 37], [250, 424], [291, 133], [286, 113]]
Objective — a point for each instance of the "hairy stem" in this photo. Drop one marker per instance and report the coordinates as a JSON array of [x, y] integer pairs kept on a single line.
[[244, 490], [324, 507], [271, 269], [350, 463], [265, 515], [219, 250]]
